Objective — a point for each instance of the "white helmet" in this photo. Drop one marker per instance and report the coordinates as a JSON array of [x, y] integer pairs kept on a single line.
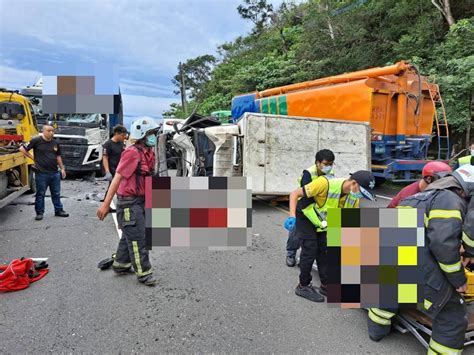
[[141, 126], [465, 176]]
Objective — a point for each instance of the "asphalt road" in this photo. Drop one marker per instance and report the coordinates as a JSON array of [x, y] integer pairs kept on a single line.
[[221, 301]]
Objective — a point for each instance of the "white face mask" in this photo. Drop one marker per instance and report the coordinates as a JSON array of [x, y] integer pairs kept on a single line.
[[472, 152]]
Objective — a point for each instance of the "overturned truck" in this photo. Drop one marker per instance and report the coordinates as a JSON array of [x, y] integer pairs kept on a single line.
[[271, 149]]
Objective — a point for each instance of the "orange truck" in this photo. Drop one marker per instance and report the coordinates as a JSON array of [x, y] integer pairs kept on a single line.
[[399, 104]]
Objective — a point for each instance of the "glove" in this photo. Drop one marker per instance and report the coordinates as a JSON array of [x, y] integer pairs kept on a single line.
[[108, 176], [290, 223]]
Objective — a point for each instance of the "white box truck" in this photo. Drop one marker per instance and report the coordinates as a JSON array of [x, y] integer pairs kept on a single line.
[[273, 150]]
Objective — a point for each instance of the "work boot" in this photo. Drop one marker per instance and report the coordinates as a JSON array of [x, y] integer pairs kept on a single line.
[[377, 331], [122, 270], [290, 261], [148, 280], [309, 293], [39, 217], [61, 213]]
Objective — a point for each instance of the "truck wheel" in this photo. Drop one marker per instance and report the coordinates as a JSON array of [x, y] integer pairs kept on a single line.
[[31, 181]]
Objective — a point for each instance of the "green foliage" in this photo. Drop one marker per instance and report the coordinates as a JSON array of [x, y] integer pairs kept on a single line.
[[317, 38]]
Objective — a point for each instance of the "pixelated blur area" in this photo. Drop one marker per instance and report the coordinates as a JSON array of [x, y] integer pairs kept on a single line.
[[81, 89], [374, 257], [213, 213]]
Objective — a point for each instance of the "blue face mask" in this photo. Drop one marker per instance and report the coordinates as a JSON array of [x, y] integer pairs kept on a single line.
[[326, 169], [357, 194], [150, 141]]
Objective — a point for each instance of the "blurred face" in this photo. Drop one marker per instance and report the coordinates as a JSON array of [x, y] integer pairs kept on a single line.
[[121, 137], [472, 149], [48, 132]]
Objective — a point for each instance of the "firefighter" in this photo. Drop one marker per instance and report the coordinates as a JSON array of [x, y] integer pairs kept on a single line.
[[323, 164], [445, 205], [136, 162], [311, 228]]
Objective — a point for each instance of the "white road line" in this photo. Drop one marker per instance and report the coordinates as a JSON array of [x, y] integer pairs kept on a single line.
[[385, 197], [114, 216]]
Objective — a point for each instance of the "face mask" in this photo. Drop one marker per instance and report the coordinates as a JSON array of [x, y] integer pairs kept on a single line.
[[326, 169], [472, 152], [150, 141], [356, 194]]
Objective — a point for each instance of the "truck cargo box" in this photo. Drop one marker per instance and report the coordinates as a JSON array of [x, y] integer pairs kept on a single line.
[[276, 148]]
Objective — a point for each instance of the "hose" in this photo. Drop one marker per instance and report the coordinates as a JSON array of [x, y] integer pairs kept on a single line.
[[418, 99]]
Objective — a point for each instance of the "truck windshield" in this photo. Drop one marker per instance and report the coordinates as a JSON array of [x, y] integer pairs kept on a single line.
[[80, 118]]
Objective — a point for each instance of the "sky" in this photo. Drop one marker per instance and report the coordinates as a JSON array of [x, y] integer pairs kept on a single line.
[[145, 40]]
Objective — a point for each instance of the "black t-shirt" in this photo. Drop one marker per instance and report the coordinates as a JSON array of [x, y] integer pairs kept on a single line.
[[113, 150], [46, 153]]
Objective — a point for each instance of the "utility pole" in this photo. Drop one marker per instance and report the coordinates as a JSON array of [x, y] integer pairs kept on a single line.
[[182, 89]]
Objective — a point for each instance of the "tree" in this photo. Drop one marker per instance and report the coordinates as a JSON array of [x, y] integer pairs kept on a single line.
[[196, 72], [445, 8], [257, 11]]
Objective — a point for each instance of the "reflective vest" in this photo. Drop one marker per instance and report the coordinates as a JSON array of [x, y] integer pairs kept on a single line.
[[319, 213], [313, 170], [309, 211], [465, 160]]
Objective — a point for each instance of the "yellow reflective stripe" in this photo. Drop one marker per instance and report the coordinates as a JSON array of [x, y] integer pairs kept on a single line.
[[449, 268], [117, 264], [136, 254], [467, 240], [126, 214], [425, 220], [378, 319], [443, 349], [445, 214], [431, 352], [427, 304], [382, 313]]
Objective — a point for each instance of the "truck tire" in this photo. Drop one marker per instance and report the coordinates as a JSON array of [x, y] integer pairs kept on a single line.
[[31, 181]]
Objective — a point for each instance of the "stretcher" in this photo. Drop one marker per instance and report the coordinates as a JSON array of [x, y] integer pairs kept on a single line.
[[419, 324]]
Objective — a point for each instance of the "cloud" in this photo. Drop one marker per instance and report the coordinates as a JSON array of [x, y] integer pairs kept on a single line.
[[145, 39], [134, 105], [13, 78]]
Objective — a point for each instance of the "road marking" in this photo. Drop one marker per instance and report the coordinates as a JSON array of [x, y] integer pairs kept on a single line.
[[114, 216], [385, 197]]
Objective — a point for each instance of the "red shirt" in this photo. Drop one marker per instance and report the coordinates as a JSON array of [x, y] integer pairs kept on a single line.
[[127, 167], [407, 191]]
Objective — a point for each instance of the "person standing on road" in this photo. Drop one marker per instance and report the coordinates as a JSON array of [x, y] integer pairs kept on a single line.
[[323, 164], [136, 162], [327, 193], [429, 174], [47, 157], [113, 149]]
